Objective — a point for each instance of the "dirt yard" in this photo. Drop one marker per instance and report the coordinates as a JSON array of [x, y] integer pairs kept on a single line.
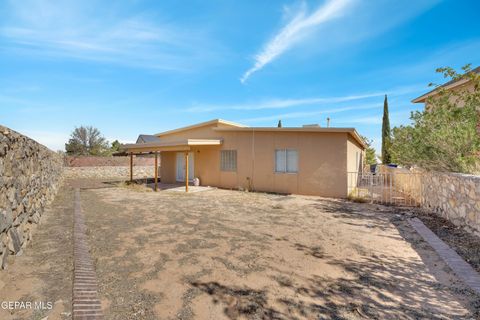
[[234, 255]]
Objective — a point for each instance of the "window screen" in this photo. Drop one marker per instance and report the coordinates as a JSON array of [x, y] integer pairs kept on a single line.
[[228, 160], [286, 160]]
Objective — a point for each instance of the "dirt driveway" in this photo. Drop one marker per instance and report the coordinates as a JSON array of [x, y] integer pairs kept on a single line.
[[234, 255]]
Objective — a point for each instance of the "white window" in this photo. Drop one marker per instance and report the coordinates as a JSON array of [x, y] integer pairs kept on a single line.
[[286, 160], [228, 160]]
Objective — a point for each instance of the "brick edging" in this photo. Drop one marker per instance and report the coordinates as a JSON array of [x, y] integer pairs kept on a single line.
[[86, 304], [459, 266]]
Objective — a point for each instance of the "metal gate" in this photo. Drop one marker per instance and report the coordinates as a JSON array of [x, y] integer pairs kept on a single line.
[[396, 188]]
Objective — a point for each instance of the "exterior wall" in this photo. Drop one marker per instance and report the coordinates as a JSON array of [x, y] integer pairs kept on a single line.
[[109, 172], [91, 161], [355, 156], [453, 196], [167, 170], [322, 161], [454, 100], [30, 175]]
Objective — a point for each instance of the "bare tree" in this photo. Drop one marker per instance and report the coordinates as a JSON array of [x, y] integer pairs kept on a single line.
[[86, 141]]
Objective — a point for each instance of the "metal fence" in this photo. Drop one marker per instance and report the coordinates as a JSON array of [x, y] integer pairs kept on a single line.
[[396, 188]]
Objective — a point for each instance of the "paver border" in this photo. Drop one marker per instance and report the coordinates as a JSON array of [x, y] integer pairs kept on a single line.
[[85, 302], [460, 267]]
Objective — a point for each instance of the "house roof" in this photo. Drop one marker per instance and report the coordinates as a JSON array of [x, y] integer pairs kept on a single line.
[[350, 131], [449, 85], [201, 124], [144, 138], [179, 145]]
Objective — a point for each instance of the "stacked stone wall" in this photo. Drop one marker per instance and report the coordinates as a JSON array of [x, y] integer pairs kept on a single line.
[[30, 175], [109, 172], [122, 161], [453, 196]]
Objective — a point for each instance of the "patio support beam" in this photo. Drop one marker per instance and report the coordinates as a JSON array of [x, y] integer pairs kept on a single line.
[[186, 171], [156, 171], [131, 166]]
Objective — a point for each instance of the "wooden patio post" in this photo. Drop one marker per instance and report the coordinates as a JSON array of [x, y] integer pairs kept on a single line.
[[156, 171], [186, 171], [131, 167]]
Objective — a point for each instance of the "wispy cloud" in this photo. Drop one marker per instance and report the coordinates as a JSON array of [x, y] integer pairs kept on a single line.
[[309, 114], [296, 29], [336, 23], [284, 103], [73, 30]]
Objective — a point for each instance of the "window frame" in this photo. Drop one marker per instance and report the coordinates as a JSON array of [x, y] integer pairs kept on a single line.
[[233, 151], [285, 150]]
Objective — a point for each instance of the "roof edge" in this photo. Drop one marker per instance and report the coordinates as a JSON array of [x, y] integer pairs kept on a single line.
[[446, 86], [352, 131], [201, 124]]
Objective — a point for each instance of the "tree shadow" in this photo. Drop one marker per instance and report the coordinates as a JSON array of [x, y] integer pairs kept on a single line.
[[240, 302], [375, 287]]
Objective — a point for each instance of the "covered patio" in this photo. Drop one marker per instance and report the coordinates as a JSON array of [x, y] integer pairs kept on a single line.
[[184, 145]]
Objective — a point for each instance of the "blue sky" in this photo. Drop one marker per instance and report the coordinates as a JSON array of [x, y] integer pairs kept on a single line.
[[131, 67]]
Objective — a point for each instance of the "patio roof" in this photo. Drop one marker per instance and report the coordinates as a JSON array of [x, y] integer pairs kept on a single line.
[[179, 145]]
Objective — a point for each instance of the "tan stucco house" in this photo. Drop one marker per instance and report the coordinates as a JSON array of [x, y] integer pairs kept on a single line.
[[307, 160]]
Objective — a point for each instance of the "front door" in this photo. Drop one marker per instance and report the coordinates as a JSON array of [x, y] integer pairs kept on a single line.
[[181, 166]]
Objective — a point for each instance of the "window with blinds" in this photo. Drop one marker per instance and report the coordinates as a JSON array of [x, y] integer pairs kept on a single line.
[[228, 160], [286, 161]]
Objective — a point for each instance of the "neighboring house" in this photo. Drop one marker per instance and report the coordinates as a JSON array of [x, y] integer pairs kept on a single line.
[[303, 160], [454, 85], [145, 138]]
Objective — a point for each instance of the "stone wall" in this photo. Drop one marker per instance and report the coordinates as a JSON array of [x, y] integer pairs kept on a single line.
[[91, 161], [109, 172], [453, 196], [30, 175]]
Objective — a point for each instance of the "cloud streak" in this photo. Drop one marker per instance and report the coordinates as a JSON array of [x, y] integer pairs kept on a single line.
[[70, 30], [295, 115], [283, 103], [295, 30], [289, 102]]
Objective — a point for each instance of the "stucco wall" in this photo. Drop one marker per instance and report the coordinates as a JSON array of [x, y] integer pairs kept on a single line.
[[30, 175]]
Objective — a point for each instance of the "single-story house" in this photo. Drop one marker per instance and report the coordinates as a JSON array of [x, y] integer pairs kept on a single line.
[[308, 160]]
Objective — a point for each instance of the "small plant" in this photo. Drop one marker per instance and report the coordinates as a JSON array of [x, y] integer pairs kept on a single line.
[[355, 196]]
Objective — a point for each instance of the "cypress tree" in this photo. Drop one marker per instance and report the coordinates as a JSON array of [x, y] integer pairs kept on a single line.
[[279, 123], [386, 138]]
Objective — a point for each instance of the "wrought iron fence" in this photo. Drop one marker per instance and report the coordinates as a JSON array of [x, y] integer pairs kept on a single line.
[[396, 188]]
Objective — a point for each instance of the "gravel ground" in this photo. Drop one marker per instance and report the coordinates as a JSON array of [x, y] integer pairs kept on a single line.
[[233, 255]]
